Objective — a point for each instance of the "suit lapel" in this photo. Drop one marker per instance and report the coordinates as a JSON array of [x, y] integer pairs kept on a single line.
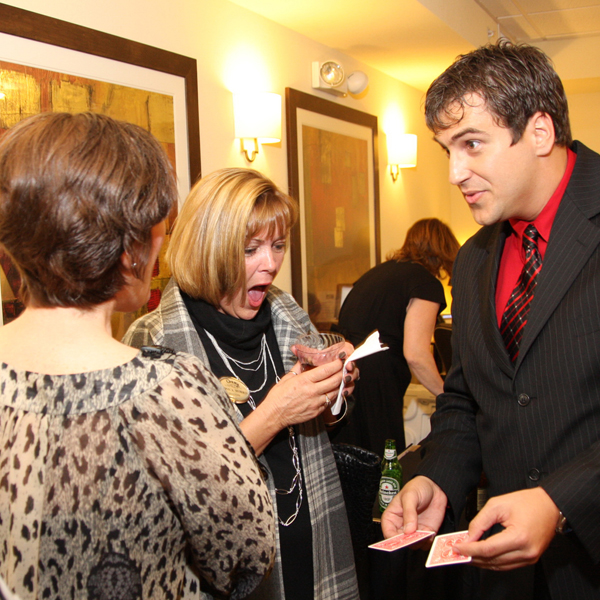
[[572, 241], [487, 299]]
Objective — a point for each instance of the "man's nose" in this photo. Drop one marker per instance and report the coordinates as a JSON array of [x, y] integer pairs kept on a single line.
[[458, 171]]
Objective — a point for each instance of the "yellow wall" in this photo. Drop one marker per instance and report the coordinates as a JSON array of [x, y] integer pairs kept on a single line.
[[232, 44]]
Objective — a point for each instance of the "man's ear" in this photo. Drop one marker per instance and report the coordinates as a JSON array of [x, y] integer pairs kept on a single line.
[[542, 129]]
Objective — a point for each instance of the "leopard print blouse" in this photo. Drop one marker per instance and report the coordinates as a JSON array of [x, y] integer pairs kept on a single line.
[[112, 481]]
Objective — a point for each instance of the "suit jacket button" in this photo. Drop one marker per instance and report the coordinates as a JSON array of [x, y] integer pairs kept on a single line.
[[534, 474], [523, 399]]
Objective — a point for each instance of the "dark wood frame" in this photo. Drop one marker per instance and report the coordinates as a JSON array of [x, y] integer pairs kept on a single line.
[[294, 100], [33, 26]]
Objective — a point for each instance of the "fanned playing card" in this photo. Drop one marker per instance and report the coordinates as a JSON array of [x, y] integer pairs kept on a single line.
[[401, 541], [443, 551]]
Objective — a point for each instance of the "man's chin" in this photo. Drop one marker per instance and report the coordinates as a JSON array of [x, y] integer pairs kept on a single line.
[[482, 218]]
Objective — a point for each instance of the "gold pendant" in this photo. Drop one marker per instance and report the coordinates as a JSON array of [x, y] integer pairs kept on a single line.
[[236, 389]]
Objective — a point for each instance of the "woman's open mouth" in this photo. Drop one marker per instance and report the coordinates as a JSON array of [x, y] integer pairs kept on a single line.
[[256, 295]]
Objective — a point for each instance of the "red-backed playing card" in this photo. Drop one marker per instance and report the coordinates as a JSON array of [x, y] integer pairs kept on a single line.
[[401, 540], [443, 552]]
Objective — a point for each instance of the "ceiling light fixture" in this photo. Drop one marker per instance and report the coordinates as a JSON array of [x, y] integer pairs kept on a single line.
[[357, 82], [329, 76]]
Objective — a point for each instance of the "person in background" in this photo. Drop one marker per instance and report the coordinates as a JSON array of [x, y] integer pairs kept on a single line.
[[522, 399], [118, 467], [227, 246], [401, 298]]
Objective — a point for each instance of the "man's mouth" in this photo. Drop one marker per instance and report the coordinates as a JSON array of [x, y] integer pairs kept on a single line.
[[472, 197]]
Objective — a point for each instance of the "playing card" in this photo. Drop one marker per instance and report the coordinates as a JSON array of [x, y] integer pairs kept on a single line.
[[443, 552], [401, 540]]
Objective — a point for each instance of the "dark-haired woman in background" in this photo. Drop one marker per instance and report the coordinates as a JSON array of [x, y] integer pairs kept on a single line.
[[402, 298], [118, 467]]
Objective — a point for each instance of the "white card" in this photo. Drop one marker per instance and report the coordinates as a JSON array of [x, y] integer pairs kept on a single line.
[[370, 346]]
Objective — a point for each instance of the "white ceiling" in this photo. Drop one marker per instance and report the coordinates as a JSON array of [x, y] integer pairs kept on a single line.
[[541, 20], [415, 40]]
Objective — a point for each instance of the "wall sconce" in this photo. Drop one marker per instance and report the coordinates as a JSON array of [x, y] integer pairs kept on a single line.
[[257, 117], [402, 153], [329, 77]]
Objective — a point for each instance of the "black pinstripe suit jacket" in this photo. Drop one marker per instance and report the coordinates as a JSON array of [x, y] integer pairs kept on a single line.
[[537, 422]]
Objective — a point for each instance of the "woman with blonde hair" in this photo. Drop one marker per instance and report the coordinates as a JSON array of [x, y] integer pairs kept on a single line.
[[227, 246], [402, 298], [119, 468]]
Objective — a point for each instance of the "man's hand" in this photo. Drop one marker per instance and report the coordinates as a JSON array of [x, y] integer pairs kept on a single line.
[[420, 504], [529, 518]]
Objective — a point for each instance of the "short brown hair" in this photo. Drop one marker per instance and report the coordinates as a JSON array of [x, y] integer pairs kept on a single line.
[[430, 243], [221, 213], [515, 81], [76, 192]]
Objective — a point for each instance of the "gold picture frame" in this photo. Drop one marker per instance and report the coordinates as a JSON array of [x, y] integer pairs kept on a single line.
[[333, 173]]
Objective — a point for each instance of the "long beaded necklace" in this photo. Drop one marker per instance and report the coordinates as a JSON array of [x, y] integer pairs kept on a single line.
[[240, 392]]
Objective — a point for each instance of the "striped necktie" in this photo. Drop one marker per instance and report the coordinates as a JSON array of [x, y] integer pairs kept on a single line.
[[517, 307]]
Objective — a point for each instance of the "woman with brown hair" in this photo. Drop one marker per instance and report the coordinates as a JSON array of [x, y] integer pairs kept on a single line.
[[401, 298], [119, 468]]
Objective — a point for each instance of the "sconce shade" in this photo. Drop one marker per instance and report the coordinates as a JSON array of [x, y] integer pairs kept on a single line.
[[257, 115], [402, 150]]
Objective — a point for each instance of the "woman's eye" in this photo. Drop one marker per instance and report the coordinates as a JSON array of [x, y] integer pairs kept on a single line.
[[249, 251]]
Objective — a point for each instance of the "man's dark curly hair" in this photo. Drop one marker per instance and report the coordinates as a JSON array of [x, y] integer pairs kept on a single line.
[[515, 81]]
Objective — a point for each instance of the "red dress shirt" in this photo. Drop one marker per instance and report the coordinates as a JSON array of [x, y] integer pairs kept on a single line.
[[513, 257]]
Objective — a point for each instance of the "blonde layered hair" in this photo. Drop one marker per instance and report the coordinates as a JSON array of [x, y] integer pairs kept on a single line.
[[222, 212]]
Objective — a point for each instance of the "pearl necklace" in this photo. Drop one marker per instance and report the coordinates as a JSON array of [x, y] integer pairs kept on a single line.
[[245, 366]]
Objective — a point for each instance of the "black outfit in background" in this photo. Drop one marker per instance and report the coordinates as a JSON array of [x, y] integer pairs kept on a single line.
[[378, 300], [241, 339]]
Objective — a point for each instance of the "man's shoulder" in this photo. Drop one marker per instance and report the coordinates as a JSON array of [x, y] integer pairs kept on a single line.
[[484, 238], [584, 186]]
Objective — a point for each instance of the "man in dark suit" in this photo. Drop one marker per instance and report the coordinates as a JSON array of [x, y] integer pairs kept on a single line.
[[522, 400]]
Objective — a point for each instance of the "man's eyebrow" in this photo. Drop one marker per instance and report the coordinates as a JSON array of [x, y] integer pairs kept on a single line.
[[461, 133]]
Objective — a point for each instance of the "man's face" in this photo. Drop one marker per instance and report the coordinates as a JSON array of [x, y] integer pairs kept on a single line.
[[497, 179]]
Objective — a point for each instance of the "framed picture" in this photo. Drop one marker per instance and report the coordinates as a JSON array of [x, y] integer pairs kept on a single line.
[[52, 65], [333, 173]]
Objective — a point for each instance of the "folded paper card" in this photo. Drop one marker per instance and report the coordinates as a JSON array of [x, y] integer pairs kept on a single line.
[[370, 346]]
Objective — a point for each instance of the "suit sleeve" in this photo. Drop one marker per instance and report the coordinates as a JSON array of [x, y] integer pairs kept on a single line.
[[451, 455]]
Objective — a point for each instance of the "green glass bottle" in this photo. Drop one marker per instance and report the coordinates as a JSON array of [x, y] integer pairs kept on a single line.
[[391, 475]]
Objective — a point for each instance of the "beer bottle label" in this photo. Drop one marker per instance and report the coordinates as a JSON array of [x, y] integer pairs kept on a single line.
[[388, 488]]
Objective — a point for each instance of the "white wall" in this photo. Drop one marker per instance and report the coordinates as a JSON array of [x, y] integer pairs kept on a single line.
[[231, 45]]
